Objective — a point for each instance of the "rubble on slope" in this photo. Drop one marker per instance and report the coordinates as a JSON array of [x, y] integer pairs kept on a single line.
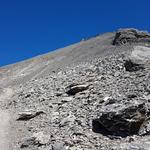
[[102, 113], [97, 104]]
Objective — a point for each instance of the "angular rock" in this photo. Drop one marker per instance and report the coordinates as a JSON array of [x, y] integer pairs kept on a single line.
[[66, 99], [145, 128], [140, 54], [38, 139], [121, 120], [27, 115], [58, 146], [41, 138], [125, 36], [76, 88], [28, 142], [67, 121], [131, 66]]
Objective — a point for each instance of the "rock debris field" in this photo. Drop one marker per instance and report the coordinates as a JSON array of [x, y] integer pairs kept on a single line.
[[99, 104]]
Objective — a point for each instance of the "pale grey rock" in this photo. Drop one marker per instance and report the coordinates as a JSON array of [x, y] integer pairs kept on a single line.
[[37, 139], [41, 138], [58, 146]]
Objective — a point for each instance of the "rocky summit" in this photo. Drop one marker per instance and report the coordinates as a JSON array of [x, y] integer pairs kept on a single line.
[[93, 95]]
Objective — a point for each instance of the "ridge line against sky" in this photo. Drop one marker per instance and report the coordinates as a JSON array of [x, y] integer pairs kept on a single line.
[[33, 27]]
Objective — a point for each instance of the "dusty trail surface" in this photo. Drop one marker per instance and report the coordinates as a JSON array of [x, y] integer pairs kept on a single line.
[[4, 130], [5, 119]]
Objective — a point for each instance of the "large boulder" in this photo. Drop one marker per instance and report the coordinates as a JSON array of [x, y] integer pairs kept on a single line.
[[138, 59], [121, 119], [140, 54], [124, 36]]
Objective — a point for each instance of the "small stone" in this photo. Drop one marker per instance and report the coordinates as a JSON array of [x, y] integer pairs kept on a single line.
[[106, 98], [41, 138], [58, 146], [66, 99], [27, 115], [37, 139], [28, 142], [76, 88], [67, 121]]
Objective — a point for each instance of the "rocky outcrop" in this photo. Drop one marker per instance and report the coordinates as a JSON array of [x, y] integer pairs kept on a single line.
[[122, 119], [124, 36]]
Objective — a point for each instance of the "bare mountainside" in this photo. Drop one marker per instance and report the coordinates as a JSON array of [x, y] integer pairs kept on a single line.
[[93, 95]]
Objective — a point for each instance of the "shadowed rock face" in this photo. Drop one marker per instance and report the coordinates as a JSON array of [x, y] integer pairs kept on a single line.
[[125, 36], [91, 95], [122, 120], [131, 66]]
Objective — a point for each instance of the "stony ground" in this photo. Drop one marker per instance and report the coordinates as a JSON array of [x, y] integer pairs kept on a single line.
[[67, 117], [98, 104]]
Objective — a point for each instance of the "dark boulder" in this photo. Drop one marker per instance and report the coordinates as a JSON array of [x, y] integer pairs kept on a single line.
[[132, 66], [121, 120], [76, 88]]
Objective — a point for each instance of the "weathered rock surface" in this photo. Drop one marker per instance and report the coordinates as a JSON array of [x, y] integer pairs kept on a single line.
[[121, 119], [125, 36]]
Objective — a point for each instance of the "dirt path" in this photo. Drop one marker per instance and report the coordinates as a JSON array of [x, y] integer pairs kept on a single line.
[[4, 130], [5, 121]]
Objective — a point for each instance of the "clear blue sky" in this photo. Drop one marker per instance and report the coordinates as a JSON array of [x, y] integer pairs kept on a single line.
[[32, 27]]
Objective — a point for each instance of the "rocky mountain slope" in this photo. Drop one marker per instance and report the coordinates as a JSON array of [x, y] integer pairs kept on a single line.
[[93, 95]]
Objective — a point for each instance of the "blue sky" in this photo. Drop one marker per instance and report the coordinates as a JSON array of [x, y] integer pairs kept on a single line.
[[32, 27]]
